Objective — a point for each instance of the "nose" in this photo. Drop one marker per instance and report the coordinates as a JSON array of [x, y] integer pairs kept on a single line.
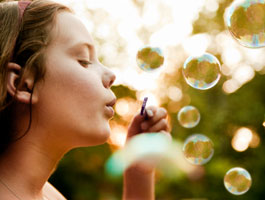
[[108, 77]]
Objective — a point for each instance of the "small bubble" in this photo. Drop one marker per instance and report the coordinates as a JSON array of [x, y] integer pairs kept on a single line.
[[198, 149], [237, 181], [150, 58], [189, 116]]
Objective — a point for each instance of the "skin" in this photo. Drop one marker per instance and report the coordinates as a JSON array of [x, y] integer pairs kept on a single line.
[[69, 110], [139, 178]]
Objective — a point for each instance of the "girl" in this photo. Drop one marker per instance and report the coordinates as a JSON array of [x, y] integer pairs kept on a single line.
[[55, 96]]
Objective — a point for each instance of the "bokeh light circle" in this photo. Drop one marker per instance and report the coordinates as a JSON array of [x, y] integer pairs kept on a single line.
[[198, 149], [245, 19], [237, 181], [189, 116], [150, 58], [202, 72]]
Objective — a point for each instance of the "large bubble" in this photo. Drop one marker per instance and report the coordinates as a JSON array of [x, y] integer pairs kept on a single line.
[[155, 149], [189, 116], [202, 72], [142, 146], [198, 149], [245, 20], [237, 181], [150, 58]]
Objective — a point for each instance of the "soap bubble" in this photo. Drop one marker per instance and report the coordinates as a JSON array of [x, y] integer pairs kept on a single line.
[[139, 147], [189, 116], [150, 58], [237, 181], [202, 72], [148, 149], [245, 20], [198, 149]]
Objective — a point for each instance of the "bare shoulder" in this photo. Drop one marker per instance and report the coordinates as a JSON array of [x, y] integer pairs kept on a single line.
[[5, 194], [51, 192]]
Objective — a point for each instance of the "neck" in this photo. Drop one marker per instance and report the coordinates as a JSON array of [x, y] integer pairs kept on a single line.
[[28, 163]]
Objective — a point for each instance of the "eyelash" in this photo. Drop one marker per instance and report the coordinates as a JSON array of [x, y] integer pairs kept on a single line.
[[84, 63]]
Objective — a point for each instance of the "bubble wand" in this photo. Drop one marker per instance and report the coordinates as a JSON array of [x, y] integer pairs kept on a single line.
[[143, 107]]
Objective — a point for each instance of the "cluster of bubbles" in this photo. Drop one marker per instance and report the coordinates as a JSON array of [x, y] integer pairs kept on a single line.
[[245, 20], [198, 148], [237, 181], [202, 72]]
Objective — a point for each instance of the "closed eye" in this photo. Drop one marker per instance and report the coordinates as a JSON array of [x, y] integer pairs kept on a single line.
[[85, 63]]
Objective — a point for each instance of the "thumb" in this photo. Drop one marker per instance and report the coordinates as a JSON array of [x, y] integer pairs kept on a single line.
[[135, 126]]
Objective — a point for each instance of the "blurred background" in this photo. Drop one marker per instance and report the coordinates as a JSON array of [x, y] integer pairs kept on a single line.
[[232, 112]]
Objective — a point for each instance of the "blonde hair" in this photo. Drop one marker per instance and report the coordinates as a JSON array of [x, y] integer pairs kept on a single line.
[[23, 43]]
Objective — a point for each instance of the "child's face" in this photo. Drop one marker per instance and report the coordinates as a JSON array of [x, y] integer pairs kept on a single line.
[[75, 96]]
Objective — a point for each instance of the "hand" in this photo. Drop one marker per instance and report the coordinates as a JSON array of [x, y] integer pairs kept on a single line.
[[139, 177], [154, 120]]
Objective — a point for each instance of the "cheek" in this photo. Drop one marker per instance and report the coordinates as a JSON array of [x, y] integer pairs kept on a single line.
[[73, 79], [78, 89], [72, 104], [72, 92]]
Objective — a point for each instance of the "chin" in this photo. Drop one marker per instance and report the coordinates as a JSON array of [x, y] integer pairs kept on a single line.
[[97, 137], [103, 138]]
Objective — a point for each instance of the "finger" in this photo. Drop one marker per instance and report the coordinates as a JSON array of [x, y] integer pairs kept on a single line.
[[159, 114], [137, 119], [159, 126], [148, 114], [150, 111], [135, 127]]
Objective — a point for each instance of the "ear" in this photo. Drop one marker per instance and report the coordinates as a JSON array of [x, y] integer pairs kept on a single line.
[[22, 94]]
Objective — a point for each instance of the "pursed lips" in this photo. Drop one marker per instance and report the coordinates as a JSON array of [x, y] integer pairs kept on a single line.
[[109, 106]]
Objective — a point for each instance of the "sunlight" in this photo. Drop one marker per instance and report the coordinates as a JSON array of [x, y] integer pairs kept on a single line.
[[174, 93], [164, 24], [197, 45], [242, 139], [118, 135], [230, 86], [243, 74], [126, 107]]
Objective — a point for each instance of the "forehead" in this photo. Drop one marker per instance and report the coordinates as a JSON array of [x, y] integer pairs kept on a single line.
[[69, 30]]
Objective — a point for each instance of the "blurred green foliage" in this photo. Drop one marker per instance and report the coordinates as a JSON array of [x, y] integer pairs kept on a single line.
[[81, 176]]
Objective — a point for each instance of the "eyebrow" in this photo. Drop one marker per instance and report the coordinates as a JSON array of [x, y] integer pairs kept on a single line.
[[90, 47]]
